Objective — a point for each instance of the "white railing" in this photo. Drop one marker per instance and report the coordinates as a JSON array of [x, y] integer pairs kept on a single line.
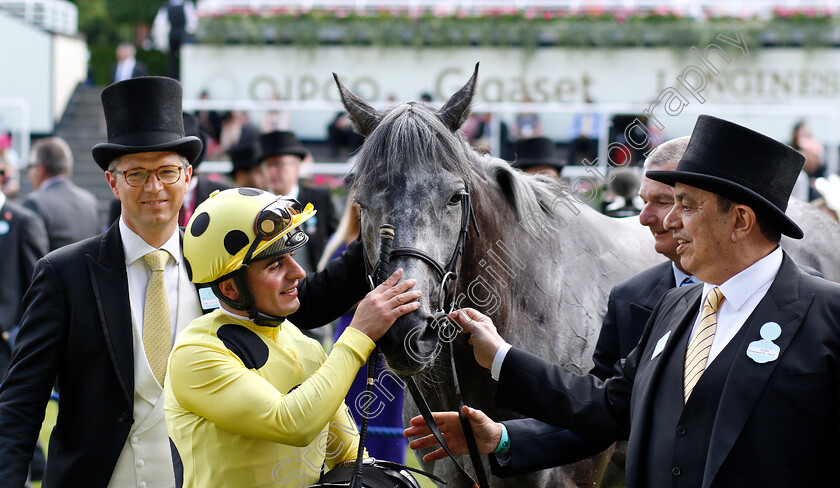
[[59, 16], [694, 8], [828, 115]]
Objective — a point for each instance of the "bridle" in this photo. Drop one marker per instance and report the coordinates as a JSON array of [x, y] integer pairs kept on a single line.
[[448, 275]]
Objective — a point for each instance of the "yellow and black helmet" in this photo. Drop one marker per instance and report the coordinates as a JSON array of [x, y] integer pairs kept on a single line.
[[235, 227]]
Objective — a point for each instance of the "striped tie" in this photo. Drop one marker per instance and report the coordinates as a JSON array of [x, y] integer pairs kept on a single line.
[[157, 335], [697, 353]]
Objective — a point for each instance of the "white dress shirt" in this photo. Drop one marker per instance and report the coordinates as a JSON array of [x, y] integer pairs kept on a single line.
[[125, 69], [743, 292], [139, 273]]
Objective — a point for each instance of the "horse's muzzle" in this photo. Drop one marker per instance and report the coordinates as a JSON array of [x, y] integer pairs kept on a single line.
[[412, 344]]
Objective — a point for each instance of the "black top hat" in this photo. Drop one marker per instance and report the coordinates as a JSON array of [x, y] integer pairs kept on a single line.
[[193, 128], [144, 115], [280, 142], [536, 151], [742, 165], [244, 156]]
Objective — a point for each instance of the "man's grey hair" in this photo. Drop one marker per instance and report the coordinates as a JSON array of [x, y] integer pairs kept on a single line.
[[116, 161], [53, 154], [667, 154]]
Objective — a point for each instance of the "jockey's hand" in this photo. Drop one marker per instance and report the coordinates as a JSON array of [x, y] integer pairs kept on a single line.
[[385, 304], [487, 433], [484, 338]]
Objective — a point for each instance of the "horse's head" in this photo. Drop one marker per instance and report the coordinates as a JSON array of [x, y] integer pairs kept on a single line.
[[413, 173]]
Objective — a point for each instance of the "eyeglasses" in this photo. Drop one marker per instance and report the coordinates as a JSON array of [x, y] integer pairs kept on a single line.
[[275, 218], [138, 176]]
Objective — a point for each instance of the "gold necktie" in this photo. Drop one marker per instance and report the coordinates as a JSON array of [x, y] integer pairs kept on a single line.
[[157, 333], [697, 353]]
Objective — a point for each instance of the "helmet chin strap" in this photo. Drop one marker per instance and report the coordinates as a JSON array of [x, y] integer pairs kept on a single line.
[[246, 302], [264, 319]]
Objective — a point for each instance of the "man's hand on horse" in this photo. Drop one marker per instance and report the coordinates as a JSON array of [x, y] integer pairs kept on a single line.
[[385, 304], [483, 335], [487, 433]]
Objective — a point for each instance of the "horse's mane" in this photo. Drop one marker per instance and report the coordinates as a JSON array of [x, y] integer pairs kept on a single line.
[[410, 136], [536, 199]]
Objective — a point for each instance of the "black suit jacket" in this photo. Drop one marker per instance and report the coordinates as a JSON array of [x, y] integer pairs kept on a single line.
[[22, 244], [325, 222], [777, 424], [23, 241], [205, 186], [537, 445], [76, 327], [628, 310]]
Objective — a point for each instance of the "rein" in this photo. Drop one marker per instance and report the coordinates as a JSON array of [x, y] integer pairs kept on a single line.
[[448, 275]]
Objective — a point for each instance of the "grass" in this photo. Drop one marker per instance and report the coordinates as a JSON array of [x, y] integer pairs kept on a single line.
[[411, 460]]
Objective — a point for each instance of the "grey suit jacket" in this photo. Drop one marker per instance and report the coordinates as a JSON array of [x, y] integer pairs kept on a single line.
[[70, 213]]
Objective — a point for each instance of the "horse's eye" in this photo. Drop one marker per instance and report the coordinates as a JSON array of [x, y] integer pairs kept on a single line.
[[456, 199]]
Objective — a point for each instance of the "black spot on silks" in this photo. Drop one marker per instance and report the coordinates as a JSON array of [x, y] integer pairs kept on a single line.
[[246, 344]]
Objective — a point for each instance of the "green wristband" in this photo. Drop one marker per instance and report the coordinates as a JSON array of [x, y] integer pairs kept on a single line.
[[504, 442]]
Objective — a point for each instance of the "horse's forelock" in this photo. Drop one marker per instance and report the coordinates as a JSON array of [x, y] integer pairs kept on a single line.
[[409, 139]]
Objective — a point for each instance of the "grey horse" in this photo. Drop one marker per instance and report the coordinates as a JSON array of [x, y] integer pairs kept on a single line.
[[538, 261]]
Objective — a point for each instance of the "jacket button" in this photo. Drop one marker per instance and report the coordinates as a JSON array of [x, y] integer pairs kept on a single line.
[[680, 430], [676, 471], [123, 418]]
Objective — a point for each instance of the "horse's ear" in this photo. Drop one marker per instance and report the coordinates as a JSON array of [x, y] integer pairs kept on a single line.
[[457, 108], [364, 117]]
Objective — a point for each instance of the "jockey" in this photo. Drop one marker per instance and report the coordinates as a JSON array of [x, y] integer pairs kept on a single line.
[[250, 401]]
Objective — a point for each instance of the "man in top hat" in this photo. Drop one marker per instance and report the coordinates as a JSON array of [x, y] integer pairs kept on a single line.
[[281, 156], [200, 187], [735, 382], [537, 156], [101, 314], [247, 171]]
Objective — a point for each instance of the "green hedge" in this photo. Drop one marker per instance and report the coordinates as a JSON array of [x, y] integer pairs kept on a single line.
[[524, 29]]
